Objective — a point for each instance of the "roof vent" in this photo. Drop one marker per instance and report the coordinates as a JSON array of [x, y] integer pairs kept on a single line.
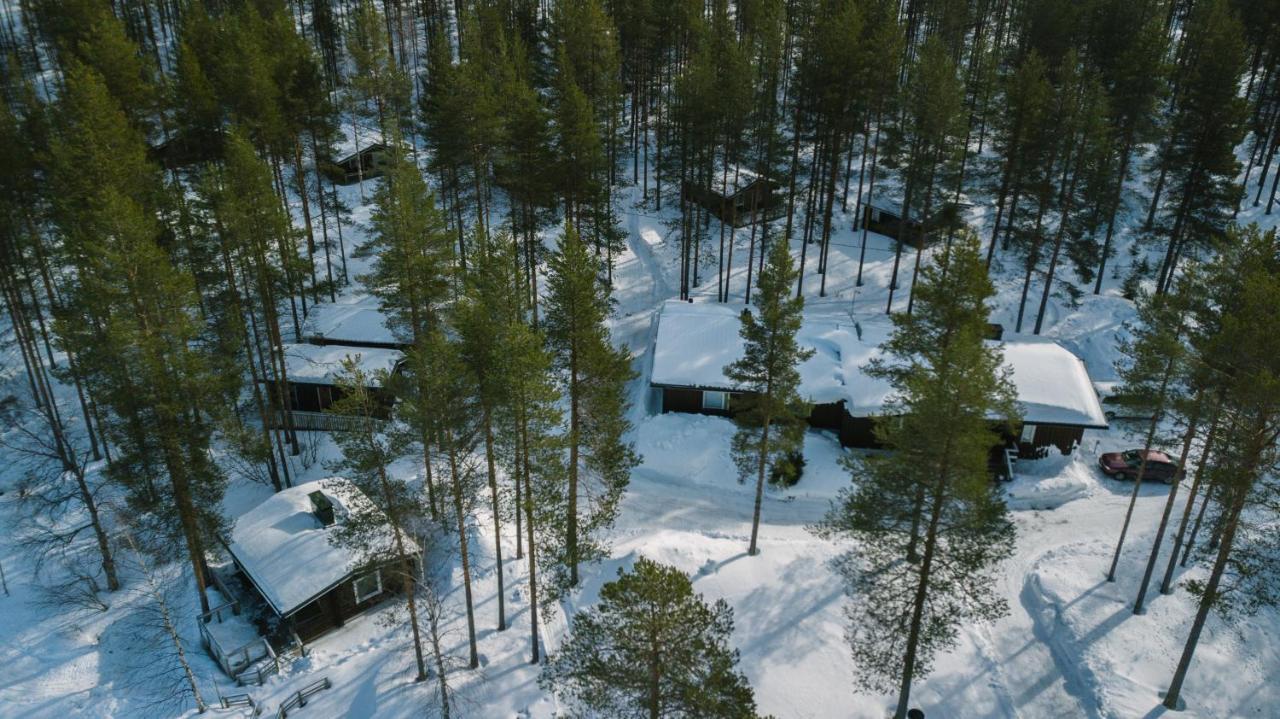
[[322, 507]]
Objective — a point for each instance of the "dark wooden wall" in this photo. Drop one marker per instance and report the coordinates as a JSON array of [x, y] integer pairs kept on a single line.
[[690, 401], [1051, 435], [860, 431], [332, 609]]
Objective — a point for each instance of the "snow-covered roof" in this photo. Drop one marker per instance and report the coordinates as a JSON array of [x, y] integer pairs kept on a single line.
[[735, 179], [696, 340], [357, 320], [288, 554], [322, 364], [890, 200], [1053, 384]]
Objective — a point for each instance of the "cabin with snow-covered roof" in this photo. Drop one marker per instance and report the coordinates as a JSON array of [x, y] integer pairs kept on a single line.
[[369, 162], [695, 341], [883, 212], [738, 196], [284, 549], [313, 372]]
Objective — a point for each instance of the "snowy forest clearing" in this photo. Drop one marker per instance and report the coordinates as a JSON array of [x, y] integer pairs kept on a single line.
[[445, 234]]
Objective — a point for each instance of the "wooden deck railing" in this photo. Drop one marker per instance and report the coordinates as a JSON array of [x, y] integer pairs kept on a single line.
[[323, 421]]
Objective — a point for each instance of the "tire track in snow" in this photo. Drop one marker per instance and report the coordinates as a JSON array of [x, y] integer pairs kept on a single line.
[[1076, 679]]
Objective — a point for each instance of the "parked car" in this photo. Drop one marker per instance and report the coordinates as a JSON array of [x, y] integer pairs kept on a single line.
[[1124, 465]]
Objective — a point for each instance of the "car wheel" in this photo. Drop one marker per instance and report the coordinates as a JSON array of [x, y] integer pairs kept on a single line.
[[1167, 480], [1122, 476]]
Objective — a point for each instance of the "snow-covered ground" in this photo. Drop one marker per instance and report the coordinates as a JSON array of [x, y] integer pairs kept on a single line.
[[1069, 647]]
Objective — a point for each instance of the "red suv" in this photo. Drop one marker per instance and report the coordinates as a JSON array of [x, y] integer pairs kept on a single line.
[[1124, 465]]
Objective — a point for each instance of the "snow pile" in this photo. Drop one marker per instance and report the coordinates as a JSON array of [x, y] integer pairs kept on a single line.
[[695, 448], [1051, 482]]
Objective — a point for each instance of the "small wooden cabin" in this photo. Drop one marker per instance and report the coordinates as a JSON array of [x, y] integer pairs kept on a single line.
[[883, 215], [312, 372], [284, 549], [186, 149], [694, 342], [370, 162], [741, 199]]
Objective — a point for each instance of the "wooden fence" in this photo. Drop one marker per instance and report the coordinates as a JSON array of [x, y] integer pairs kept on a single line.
[[241, 701], [299, 698]]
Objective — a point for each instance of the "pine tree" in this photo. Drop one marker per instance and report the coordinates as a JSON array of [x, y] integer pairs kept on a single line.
[[536, 453], [1236, 338], [652, 648], [926, 146], [410, 273], [1017, 137], [440, 371], [379, 88], [1154, 368], [131, 318], [1126, 40], [928, 524], [88, 33], [483, 320], [368, 451], [771, 424], [593, 375], [1208, 123]]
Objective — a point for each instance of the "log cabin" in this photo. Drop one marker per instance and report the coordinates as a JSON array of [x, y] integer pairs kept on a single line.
[[313, 373], [882, 214], [370, 162], [284, 548], [738, 197], [694, 342]]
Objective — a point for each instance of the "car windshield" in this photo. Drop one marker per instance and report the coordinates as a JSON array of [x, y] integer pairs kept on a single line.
[[1132, 456]]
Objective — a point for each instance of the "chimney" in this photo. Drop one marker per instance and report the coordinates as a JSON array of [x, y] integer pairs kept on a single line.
[[322, 508]]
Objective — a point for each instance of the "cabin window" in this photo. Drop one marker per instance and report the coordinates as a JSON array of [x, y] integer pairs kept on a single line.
[[368, 586], [715, 400], [1028, 433]]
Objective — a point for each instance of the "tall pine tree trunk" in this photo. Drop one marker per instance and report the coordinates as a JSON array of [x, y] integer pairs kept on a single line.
[[575, 401], [461, 517], [762, 464], [1166, 584], [921, 596], [1142, 466], [1187, 438], [1208, 598], [497, 517], [528, 524]]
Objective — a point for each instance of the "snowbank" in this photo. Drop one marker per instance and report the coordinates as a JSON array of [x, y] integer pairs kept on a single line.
[[695, 448], [1051, 482]]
